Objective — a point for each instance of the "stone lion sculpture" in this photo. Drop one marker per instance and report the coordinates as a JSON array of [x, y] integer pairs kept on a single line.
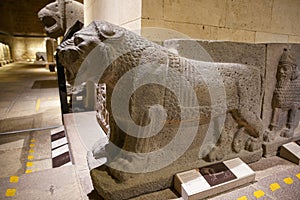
[[59, 16], [189, 91]]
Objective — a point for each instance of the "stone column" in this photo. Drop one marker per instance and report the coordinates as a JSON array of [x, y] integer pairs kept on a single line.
[[50, 49], [5, 49]]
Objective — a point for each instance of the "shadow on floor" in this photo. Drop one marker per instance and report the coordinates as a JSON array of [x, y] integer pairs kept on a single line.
[[44, 84]]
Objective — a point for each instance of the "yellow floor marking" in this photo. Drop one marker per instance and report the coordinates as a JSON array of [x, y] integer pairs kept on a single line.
[[29, 164], [31, 150], [33, 140], [242, 198], [10, 192], [14, 179], [288, 180], [31, 145], [274, 186], [30, 157], [298, 176], [28, 171], [258, 194], [38, 103]]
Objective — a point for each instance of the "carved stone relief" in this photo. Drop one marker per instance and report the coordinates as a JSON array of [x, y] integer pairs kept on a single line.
[[286, 99], [101, 108], [118, 51]]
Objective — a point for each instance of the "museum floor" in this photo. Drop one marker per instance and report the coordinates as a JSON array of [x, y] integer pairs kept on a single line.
[[30, 109]]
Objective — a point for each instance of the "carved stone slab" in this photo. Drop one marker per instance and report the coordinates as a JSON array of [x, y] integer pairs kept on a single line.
[[291, 152], [213, 179], [278, 122]]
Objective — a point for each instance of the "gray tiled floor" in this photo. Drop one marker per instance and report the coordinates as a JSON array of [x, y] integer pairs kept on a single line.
[[23, 108]]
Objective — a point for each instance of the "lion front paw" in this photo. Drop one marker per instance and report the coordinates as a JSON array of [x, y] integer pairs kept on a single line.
[[215, 155], [126, 167], [252, 145]]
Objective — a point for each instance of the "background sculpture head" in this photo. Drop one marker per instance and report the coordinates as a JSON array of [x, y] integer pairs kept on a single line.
[[52, 19], [287, 67], [60, 15]]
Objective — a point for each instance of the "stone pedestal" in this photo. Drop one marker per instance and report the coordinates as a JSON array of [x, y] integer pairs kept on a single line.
[[272, 148]]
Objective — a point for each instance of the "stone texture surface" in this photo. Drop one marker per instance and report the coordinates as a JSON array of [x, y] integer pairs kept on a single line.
[[217, 51], [137, 174]]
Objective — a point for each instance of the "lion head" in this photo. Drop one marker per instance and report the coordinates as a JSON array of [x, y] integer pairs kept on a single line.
[[91, 49]]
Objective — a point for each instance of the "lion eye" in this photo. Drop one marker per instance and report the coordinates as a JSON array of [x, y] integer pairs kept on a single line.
[[77, 40]]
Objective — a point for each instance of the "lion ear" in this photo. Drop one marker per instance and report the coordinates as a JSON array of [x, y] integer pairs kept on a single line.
[[108, 32]]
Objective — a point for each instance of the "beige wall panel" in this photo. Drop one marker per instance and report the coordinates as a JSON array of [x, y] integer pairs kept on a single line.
[[119, 12], [262, 37], [130, 10], [134, 26], [25, 48], [207, 12], [286, 17], [227, 34], [152, 23], [193, 30], [294, 39], [153, 9], [101, 10], [249, 14]]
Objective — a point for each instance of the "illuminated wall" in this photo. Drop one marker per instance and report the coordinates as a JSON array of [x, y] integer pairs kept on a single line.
[[255, 21]]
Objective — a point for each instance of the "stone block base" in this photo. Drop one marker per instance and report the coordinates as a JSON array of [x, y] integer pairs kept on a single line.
[[109, 188], [272, 148]]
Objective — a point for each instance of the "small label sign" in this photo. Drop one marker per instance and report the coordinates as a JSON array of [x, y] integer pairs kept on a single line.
[[217, 173]]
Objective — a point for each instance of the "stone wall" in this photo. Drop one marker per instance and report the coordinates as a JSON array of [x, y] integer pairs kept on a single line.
[[256, 21], [24, 48]]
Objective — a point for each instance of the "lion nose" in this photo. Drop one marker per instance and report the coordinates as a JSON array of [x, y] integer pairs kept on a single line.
[[67, 56]]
